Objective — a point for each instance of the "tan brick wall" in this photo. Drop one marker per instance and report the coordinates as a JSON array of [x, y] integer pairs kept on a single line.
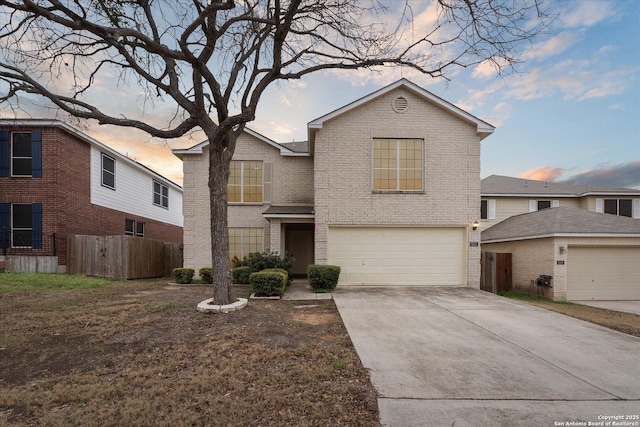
[[529, 259], [292, 184], [343, 168]]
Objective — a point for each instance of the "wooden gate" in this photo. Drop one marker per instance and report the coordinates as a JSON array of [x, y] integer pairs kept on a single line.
[[495, 273]]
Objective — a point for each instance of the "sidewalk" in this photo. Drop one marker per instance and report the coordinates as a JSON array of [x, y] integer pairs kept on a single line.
[[300, 290]]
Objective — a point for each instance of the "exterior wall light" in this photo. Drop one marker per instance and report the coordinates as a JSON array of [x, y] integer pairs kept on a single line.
[[562, 249], [475, 225]]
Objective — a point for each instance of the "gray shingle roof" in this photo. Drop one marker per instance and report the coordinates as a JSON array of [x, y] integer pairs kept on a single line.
[[561, 220], [506, 185]]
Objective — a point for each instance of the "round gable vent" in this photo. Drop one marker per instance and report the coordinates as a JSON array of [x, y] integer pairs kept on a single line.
[[400, 104]]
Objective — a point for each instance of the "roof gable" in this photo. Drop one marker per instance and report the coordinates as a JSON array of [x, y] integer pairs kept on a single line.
[[562, 220], [483, 128], [284, 151]]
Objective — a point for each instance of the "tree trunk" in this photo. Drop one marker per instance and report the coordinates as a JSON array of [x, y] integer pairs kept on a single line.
[[219, 160]]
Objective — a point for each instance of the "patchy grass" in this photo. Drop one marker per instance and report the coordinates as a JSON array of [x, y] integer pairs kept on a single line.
[[627, 323], [15, 282], [138, 354]]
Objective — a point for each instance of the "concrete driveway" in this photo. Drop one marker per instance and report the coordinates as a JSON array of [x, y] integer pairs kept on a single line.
[[463, 357]]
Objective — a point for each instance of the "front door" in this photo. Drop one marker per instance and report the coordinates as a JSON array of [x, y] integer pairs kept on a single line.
[[299, 244]]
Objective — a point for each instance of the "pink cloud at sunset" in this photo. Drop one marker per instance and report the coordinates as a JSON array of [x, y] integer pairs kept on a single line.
[[544, 173]]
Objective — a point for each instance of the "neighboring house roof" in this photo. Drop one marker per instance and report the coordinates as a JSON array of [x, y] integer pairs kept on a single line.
[[33, 123], [297, 146], [483, 128], [496, 185], [561, 221], [284, 149]]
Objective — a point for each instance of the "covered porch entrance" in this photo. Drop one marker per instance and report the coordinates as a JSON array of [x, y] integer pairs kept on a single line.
[[292, 230]]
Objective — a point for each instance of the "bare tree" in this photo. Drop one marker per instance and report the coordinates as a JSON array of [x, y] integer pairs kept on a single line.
[[213, 60]]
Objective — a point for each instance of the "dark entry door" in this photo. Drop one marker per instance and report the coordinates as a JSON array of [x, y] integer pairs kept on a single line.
[[299, 244]]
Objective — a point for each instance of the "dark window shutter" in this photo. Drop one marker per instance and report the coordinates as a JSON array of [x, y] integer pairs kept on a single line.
[[36, 224], [4, 153], [36, 154], [5, 233]]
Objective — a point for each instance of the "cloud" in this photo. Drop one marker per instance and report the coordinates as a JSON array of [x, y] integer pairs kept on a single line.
[[554, 46], [617, 175], [584, 13], [544, 173]]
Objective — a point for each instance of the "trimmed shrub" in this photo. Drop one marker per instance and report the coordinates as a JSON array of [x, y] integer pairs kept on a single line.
[[323, 277], [206, 274], [183, 275], [259, 261], [268, 283], [240, 275]]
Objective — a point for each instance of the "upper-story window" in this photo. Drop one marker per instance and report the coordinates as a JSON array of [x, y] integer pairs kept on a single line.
[[538, 205], [21, 154], [160, 194], [621, 207], [245, 182], [108, 172], [488, 209], [398, 164]]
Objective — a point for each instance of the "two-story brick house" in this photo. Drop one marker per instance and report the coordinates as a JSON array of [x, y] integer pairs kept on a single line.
[[387, 187], [56, 180]]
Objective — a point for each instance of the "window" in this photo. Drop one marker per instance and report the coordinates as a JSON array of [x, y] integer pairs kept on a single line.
[[25, 150], [488, 209], [243, 241], [133, 228], [245, 182], [129, 226], [621, 207], [108, 172], [397, 164], [26, 224], [538, 205], [160, 195], [21, 156]]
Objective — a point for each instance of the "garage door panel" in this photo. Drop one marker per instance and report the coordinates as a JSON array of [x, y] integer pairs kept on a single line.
[[603, 273], [399, 256]]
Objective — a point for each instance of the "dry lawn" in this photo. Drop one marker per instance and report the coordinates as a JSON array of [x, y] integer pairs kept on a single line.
[[138, 354]]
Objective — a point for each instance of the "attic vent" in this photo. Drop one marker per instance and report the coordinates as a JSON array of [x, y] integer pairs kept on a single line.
[[400, 105]]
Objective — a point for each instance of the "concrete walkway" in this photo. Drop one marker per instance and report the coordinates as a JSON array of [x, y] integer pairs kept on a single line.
[[458, 356], [300, 290]]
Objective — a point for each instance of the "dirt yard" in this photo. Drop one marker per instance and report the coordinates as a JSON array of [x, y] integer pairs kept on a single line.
[[138, 354]]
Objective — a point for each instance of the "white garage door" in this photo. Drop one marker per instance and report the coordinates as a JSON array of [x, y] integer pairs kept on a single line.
[[399, 256], [603, 273]]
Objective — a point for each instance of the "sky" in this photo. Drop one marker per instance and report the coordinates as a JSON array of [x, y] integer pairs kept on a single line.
[[571, 113]]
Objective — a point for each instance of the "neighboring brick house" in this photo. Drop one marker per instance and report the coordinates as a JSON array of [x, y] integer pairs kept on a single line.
[[55, 179], [387, 187], [504, 197]]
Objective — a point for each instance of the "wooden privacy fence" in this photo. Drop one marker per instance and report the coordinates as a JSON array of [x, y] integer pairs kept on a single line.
[[495, 274], [121, 257]]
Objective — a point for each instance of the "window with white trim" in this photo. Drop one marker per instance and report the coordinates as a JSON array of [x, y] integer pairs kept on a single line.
[[108, 165], [245, 182], [488, 209], [21, 154], [129, 227], [243, 241], [620, 207], [398, 164], [538, 205], [139, 229], [160, 194]]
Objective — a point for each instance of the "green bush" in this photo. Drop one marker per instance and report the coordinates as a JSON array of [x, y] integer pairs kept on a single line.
[[183, 275], [258, 261], [206, 274], [268, 283], [324, 277], [240, 275]]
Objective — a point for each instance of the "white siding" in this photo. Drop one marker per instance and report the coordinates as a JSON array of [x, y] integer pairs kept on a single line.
[[133, 191]]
